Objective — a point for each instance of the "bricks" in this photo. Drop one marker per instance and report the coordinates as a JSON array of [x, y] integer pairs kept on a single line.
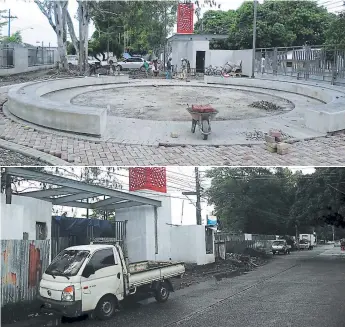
[[275, 133], [271, 147], [283, 148], [270, 139]]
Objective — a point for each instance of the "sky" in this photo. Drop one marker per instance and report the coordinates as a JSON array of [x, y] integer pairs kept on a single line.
[[34, 25], [35, 28], [179, 179]]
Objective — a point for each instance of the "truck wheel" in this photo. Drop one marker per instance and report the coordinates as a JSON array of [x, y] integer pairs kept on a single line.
[[162, 293], [105, 308]]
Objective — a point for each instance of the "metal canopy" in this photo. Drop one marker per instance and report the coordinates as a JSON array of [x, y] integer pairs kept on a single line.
[[69, 192]]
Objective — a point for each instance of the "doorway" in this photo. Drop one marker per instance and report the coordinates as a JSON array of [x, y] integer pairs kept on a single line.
[[200, 61]]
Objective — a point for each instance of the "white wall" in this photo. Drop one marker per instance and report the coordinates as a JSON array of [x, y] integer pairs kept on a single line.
[[188, 245], [221, 57], [21, 217], [21, 63], [141, 242]]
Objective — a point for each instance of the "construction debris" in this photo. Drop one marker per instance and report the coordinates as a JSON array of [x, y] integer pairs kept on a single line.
[[266, 105], [274, 142], [234, 265]]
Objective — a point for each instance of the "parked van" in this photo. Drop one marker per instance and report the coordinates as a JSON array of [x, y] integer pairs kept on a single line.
[[95, 279]]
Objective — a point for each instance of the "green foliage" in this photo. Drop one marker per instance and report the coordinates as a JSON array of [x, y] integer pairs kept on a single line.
[[335, 34], [14, 38], [275, 201], [142, 21], [279, 24]]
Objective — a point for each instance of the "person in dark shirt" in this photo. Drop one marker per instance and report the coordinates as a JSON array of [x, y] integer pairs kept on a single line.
[[169, 69]]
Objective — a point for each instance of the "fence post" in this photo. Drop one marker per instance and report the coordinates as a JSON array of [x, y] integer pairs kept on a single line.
[[334, 68], [275, 62]]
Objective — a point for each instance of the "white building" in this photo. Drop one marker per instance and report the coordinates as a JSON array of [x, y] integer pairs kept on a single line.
[[196, 49]]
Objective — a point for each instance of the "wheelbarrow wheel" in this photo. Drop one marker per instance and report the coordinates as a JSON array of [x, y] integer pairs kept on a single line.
[[193, 126], [205, 128]]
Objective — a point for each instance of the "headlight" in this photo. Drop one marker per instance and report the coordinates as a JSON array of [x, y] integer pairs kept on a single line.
[[68, 294]]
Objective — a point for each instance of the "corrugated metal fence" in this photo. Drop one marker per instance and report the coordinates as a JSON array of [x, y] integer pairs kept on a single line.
[[22, 265]]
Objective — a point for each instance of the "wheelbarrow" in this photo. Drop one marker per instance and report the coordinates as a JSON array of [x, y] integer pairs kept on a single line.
[[202, 116]]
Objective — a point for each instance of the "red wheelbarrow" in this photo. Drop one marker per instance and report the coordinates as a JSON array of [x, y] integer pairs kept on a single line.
[[202, 115]]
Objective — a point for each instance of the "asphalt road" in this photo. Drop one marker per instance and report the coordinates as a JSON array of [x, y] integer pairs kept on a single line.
[[301, 289]]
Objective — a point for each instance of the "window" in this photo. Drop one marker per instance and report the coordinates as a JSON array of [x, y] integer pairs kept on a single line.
[[103, 259], [41, 231], [67, 263]]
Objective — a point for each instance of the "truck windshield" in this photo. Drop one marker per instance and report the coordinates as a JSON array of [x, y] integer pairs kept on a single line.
[[278, 243], [67, 263]]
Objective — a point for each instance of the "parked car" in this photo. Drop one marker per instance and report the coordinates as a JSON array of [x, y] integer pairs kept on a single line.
[[131, 63], [280, 246], [337, 244], [95, 278]]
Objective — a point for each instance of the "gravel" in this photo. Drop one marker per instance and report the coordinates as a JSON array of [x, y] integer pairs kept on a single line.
[[11, 158]]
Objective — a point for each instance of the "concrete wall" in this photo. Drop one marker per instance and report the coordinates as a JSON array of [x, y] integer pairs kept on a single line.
[[188, 245], [221, 57], [177, 243], [21, 63], [21, 217], [141, 240], [188, 49]]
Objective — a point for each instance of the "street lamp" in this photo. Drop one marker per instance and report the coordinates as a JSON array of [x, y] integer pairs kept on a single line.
[[254, 36]]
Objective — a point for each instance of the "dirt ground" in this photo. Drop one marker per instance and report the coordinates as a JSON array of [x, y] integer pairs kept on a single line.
[[170, 102], [236, 264]]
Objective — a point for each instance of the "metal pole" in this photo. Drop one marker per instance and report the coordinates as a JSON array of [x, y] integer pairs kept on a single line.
[[198, 205], [333, 233], [254, 36], [9, 22], [165, 34]]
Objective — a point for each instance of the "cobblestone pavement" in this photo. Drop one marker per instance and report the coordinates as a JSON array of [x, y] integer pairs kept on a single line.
[[11, 158], [325, 151]]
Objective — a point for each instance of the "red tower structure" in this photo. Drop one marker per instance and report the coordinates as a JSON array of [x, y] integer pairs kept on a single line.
[[185, 18], [148, 178]]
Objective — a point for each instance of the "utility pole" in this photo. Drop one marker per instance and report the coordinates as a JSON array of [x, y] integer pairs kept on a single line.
[[9, 17], [254, 36], [198, 196]]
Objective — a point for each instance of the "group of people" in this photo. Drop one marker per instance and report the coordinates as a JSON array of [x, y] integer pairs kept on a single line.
[[185, 68]]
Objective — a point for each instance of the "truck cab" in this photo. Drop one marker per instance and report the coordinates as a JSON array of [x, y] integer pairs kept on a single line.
[[95, 279]]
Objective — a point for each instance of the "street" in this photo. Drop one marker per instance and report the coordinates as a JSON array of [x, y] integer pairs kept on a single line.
[[300, 289]]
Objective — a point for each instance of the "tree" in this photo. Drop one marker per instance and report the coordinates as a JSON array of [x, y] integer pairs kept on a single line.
[[14, 38], [335, 34], [252, 200], [320, 200], [279, 24], [138, 25], [56, 13]]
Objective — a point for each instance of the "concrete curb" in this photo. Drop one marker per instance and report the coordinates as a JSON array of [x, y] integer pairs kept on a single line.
[[33, 153]]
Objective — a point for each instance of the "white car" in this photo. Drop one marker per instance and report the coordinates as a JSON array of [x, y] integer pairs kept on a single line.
[[131, 63]]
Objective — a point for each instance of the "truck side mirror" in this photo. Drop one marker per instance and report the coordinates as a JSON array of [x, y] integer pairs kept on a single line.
[[88, 271]]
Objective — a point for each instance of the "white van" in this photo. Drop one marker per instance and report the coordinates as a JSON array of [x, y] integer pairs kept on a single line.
[[95, 279]]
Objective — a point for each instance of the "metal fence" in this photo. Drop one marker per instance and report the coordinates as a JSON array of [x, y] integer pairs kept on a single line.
[[59, 243], [40, 56], [319, 63], [22, 265], [6, 57], [226, 236], [239, 246]]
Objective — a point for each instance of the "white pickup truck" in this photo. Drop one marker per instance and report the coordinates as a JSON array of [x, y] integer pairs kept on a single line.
[[95, 279]]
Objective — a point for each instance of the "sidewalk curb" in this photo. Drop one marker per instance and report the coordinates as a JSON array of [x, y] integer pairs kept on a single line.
[[33, 153]]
